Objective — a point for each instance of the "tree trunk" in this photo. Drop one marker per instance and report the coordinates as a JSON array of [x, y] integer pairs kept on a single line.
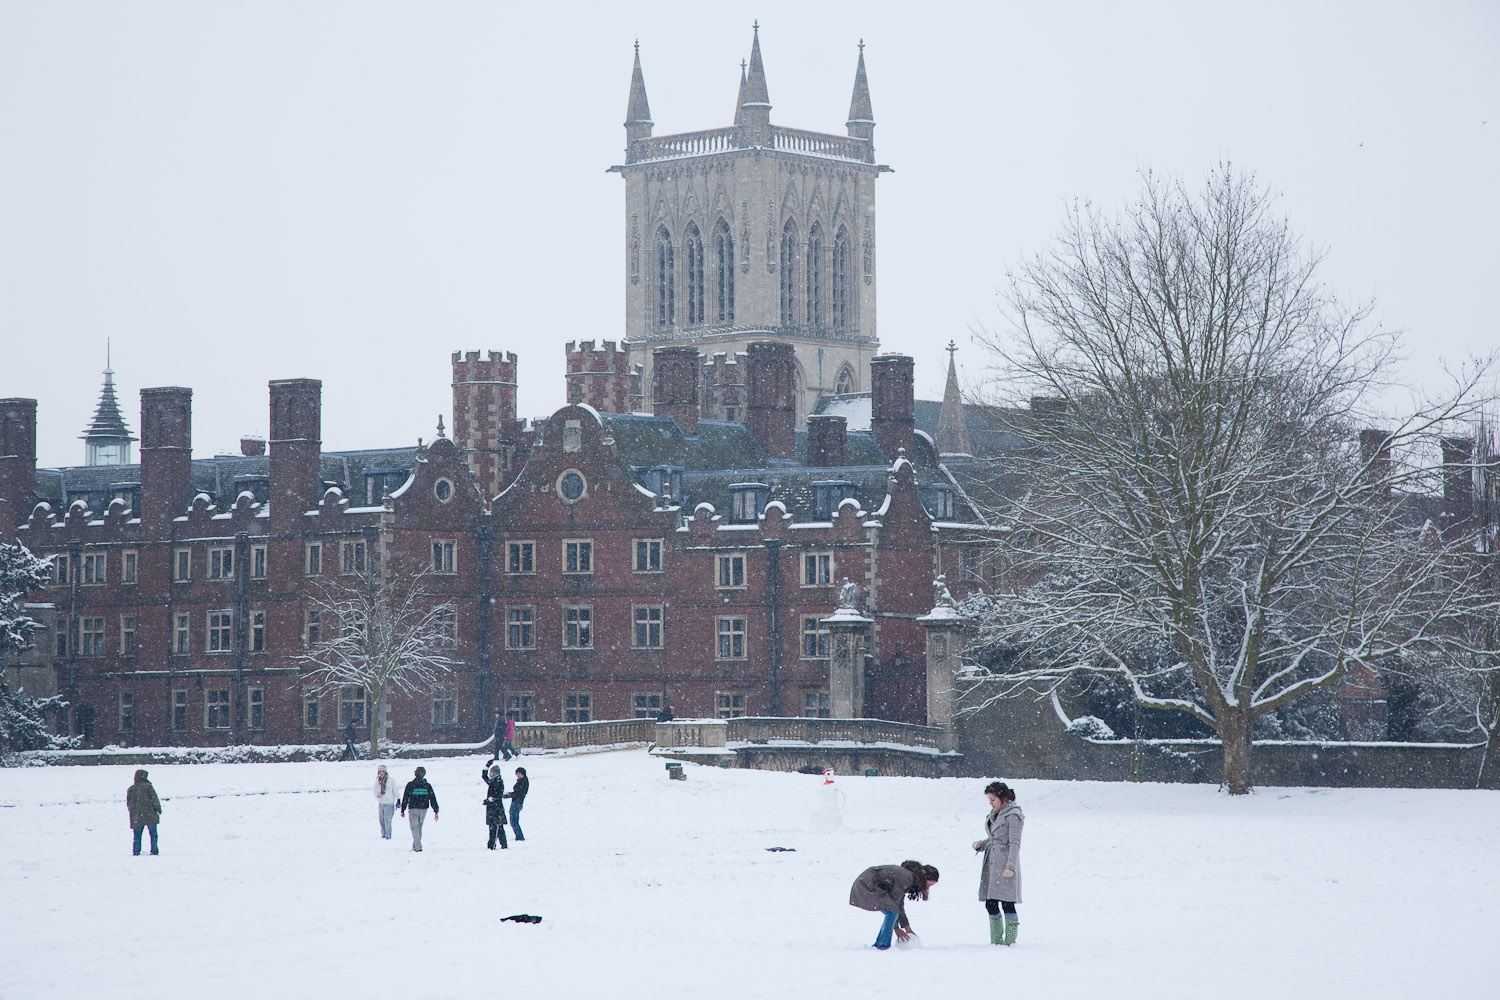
[[1234, 734], [377, 701]]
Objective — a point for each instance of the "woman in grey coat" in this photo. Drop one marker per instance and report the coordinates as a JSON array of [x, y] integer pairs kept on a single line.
[[885, 890], [1000, 878]]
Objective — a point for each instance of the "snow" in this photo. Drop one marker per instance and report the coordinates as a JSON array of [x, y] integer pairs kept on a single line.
[[274, 882]]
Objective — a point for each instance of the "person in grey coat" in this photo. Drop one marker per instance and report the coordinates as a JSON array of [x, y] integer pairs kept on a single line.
[[1000, 878], [886, 888], [145, 810]]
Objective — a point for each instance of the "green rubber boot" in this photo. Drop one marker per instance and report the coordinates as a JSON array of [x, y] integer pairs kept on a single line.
[[1011, 924], [997, 930]]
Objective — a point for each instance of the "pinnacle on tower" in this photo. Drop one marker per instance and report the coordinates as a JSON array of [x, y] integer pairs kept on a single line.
[[756, 106], [952, 433], [638, 114], [739, 102], [861, 123]]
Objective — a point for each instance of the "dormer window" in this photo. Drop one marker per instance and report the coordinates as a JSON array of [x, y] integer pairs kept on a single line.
[[666, 482], [828, 494], [939, 502], [747, 501]]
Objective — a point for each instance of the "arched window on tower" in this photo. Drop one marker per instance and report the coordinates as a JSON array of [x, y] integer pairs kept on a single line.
[[724, 265], [845, 384], [666, 279], [694, 248], [841, 278], [815, 275], [788, 273]]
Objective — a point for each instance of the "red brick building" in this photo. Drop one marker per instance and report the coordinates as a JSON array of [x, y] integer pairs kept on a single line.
[[601, 563]]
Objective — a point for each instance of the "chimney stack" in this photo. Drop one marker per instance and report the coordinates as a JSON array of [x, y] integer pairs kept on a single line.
[[1458, 475], [893, 403], [252, 446], [826, 435], [166, 454], [17, 461], [771, 387], [674, 385], [1375, 453], [296, 450]]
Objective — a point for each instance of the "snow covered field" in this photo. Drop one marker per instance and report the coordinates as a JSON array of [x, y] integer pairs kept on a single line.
[[274, 883]]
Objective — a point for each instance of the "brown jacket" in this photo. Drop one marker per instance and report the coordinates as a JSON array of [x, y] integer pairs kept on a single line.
[[141, 800], [883, 887]]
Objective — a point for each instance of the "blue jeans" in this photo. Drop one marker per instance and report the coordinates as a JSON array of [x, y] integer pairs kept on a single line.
[[515, 820], [137, 848], [883, 939]]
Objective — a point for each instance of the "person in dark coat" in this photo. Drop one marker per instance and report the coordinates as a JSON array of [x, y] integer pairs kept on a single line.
[[665, 715], [886, 888], [349, 735], [419, 797], [494, 802], [500, 736], [1000, 878], [517, 798], [145, 811]]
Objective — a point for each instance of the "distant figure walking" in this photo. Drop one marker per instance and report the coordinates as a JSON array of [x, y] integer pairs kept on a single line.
[[886, 888], [418, 798], [349, 736], [517, 797], [1000, 878], [385, 796], [145, 811], [494, 802]]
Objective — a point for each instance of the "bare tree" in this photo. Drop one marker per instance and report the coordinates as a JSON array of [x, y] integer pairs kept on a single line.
[[1197, 512], [388, 635]]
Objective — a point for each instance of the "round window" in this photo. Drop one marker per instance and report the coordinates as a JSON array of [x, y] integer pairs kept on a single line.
[[571, 486], [442, 489]]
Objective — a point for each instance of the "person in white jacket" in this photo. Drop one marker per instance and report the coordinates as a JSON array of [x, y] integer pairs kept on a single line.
[[385, 795]]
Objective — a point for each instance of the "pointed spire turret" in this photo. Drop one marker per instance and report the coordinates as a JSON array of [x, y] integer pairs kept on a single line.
[[861, 123], [952, 433], [638, 114], [107, 440], [756, 106], [739, 102]]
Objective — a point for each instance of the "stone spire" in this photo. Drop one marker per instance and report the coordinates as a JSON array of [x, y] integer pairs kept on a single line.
[[861, 123], [638, 114], [107, 441], [739, 102], [952, 433], [756, 107]]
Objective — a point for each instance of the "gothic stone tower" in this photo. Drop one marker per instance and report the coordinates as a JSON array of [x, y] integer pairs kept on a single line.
[[753, 232]]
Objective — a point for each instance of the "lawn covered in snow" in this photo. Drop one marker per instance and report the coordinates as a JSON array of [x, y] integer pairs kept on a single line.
[[273, 882]]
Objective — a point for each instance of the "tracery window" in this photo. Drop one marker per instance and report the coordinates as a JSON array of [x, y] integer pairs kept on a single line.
[[724, 263], [841, 278], [666, 279], [788, 273], [815, 275], [694, 248]]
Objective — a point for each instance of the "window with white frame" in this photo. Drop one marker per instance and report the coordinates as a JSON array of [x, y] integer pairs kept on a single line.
[[127, 712], [578, 555], [257, 714], [520, 557], [519, 705], [520, 628], [747, 501], [817, 569], [447, 626], [129, 566], [648, 626], [729, 572], [182, 565], [731, 635], [91, 636], [815, 704], [442, 558], [646, 704], [577, 706], [351, 558], [311, 710], [257, 631], [815, 638], [647, 555], [312, 629], [180, 626], [216, 708], [312, 559], [445, 705], [179, 709], [127, 635], [257, 562], [352, 702], [95, 569], [730, 704], [221, 564], [578, 626], [220, 638], [60, 570]]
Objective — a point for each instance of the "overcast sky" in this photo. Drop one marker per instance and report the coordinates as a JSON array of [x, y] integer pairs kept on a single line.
[[238, 192]]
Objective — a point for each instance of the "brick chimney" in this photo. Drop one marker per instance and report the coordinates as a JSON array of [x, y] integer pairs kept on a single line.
[[1375, 453], [1458, 475], [772, 397], [602, 376], [17, 461], [296, 450], [251, 446], [674, 385], [484, 416], [893, 403], [825, 440], [166, 454]]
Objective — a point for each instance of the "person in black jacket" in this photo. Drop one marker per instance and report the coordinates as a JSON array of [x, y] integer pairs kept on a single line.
[[517, 797], [349, 736], [494, 802], [419, 797]]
